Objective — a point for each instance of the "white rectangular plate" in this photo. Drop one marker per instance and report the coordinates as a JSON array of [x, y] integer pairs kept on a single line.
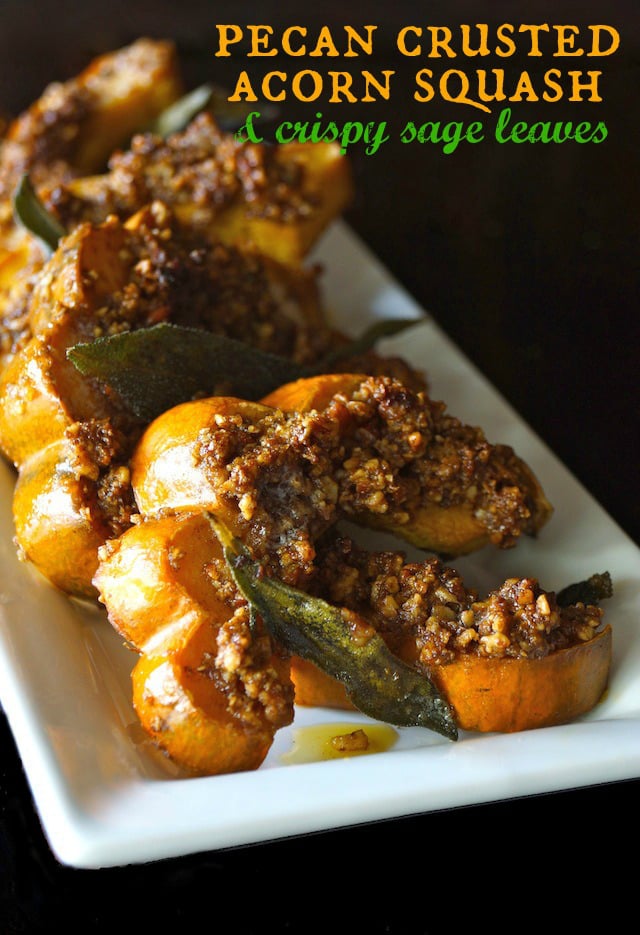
[[105, 798]]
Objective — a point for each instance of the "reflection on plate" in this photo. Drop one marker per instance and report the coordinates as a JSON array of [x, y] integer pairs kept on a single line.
[[105, 797]]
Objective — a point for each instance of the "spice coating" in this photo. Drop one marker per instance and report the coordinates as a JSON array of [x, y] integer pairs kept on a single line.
[[382, 450], [424, 609]]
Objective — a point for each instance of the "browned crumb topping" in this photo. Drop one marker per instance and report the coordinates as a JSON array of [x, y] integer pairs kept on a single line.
[[424, 611], [99, 460], [243, 669], [173, 277], [280, 474], [201, 167], [383, 450], [406, 451], [42, 141]]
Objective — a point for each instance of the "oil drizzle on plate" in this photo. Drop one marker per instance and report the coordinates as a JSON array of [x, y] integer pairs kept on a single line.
[[338, 741]]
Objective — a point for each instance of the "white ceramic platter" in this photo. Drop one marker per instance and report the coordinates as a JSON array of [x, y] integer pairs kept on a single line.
[[105, 798]]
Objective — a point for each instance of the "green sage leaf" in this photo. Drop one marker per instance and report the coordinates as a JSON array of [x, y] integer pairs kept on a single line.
[[377, 682], [154, 369], [594, 589], [386, 328], [228, 114], [30, 211], [180, 114]]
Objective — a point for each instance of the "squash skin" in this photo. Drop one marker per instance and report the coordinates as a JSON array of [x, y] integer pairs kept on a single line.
[[41, 392], [509, 695], [495, 695], [55, 529], [160, 598], [164, 468]]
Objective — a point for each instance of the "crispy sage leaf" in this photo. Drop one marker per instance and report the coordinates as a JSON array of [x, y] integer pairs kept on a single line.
[[229, 115], [374, 333], [180, 114], [156, 368], [377, 682], [31, 212], [594, 589]]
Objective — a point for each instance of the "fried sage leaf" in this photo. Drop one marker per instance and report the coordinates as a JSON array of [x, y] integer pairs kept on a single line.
[[386, 328], [591, 591], [340, 643], [31, 212], [229, 115], [155, 368], [180, 114]]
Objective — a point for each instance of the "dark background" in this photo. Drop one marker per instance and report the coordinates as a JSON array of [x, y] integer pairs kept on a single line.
[[528, 258]]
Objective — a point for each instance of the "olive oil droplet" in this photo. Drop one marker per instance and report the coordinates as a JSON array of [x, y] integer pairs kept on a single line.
[[338, 741]]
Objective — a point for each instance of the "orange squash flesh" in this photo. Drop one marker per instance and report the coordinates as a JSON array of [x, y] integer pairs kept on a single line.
[[198, 733], [509, 695], [315, 689], [496, 695], [487, 694], [164, 468]]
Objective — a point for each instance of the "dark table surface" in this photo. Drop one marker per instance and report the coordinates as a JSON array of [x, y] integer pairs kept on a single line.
[[527, 256]]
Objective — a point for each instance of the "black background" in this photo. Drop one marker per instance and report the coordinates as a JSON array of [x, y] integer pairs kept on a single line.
[[528, 258]]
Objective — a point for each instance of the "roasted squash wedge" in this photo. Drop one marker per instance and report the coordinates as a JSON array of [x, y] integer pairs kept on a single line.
[[208, 690], [64, 507], [516, 659], [378, 471], [508, 695], [277, 200], [111, 278], [70, 131], [496, 695], [75, 126]]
